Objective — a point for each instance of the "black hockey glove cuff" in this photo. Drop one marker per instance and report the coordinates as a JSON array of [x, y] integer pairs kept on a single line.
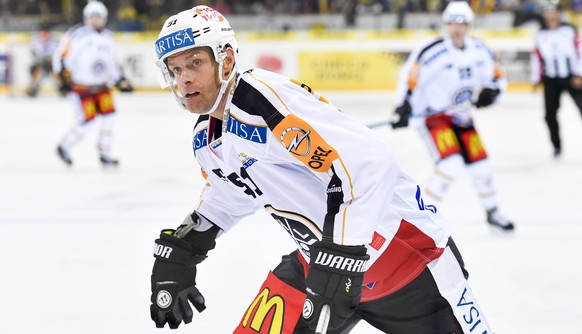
[[487, 97], [402, 113], [335, 278], [173, 279], [65, 81], [124, 85]]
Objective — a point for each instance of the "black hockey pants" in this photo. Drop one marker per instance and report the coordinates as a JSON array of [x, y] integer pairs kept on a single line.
[[417, 308], [553, 88]]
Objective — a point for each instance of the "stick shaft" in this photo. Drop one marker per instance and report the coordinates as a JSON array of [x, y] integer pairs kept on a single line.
[[323, 321]]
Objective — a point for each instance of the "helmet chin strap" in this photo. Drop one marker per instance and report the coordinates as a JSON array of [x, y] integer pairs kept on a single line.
[[223, 85]]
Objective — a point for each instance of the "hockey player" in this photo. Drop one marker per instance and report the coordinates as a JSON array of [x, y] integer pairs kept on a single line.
[[87, 66], [437, 89], [42, 47], [557, 64], [368, 244]]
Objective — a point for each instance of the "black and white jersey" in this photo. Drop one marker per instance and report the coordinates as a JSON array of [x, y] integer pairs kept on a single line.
[[557, 54]]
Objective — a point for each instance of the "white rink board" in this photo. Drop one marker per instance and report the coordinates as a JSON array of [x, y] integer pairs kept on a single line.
[[77, 242]]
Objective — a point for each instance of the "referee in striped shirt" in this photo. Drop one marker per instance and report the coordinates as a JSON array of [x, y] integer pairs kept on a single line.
[[557, 64]]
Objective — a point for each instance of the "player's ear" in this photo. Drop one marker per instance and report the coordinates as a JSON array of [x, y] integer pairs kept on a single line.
[[230, 55], [228, 63]]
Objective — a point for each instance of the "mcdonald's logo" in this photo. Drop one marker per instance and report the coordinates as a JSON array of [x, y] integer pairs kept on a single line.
[[105, 103], [475, 149], [261, 307], [90, 109], [445, 141]]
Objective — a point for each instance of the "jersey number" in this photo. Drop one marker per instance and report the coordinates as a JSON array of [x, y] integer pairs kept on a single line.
[[465, 72], [238, 181]]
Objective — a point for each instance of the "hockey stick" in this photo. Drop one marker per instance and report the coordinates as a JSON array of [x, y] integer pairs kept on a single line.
[[379, 124], [430, 112], [323, 320]]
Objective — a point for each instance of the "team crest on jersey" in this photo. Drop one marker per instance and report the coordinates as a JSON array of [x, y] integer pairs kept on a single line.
[[252, 132], [462, 95], [246, 160], [99, 67]]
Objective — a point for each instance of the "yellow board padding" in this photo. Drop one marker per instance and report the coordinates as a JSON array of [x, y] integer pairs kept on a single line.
[[324, 34], [516, 33], [349, 70], [392, 34]]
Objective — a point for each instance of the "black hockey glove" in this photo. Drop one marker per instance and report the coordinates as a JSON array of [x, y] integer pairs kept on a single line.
[[403, 112], [486, 97], [124, 85], [65, 82], [335, 278], [173, 280]]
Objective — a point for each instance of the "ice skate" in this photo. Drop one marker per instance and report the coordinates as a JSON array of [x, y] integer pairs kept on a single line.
[[107, 161], [497, 219], [64, 155], [557, 153]]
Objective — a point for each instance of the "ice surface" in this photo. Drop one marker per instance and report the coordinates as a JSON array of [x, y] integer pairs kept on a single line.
[[77, 242]]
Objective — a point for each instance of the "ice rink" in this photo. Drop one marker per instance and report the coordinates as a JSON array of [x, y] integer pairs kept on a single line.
[[77, 242]]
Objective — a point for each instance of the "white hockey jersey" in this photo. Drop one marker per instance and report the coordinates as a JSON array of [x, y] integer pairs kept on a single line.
[[284, 148], [43, 49], [89, 55], [557, 54], [437, 76]]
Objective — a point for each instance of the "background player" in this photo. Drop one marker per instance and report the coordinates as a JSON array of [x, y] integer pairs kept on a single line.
[[557, 64], [362, 229], [87, 66], [436, 89], [42, 47]]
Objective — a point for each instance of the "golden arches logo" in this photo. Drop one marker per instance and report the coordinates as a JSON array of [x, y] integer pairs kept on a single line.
[[446, 140], [475, 145], [90, 109], [263, 306], [105, 103]]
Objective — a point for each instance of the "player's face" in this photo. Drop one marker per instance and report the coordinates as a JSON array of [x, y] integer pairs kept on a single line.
[[457, 32], [552, 18], [97, 22], [196, 74]]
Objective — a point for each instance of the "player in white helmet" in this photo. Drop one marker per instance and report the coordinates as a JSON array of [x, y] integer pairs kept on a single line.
[[87, 65], [439, 84], [368, 245]]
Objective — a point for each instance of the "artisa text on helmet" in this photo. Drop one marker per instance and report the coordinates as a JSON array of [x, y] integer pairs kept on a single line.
[[176, 40]]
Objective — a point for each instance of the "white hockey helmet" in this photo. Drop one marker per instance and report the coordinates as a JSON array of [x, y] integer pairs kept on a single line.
[[200, 26], [95, 8], [551, 5], [458, 12]]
